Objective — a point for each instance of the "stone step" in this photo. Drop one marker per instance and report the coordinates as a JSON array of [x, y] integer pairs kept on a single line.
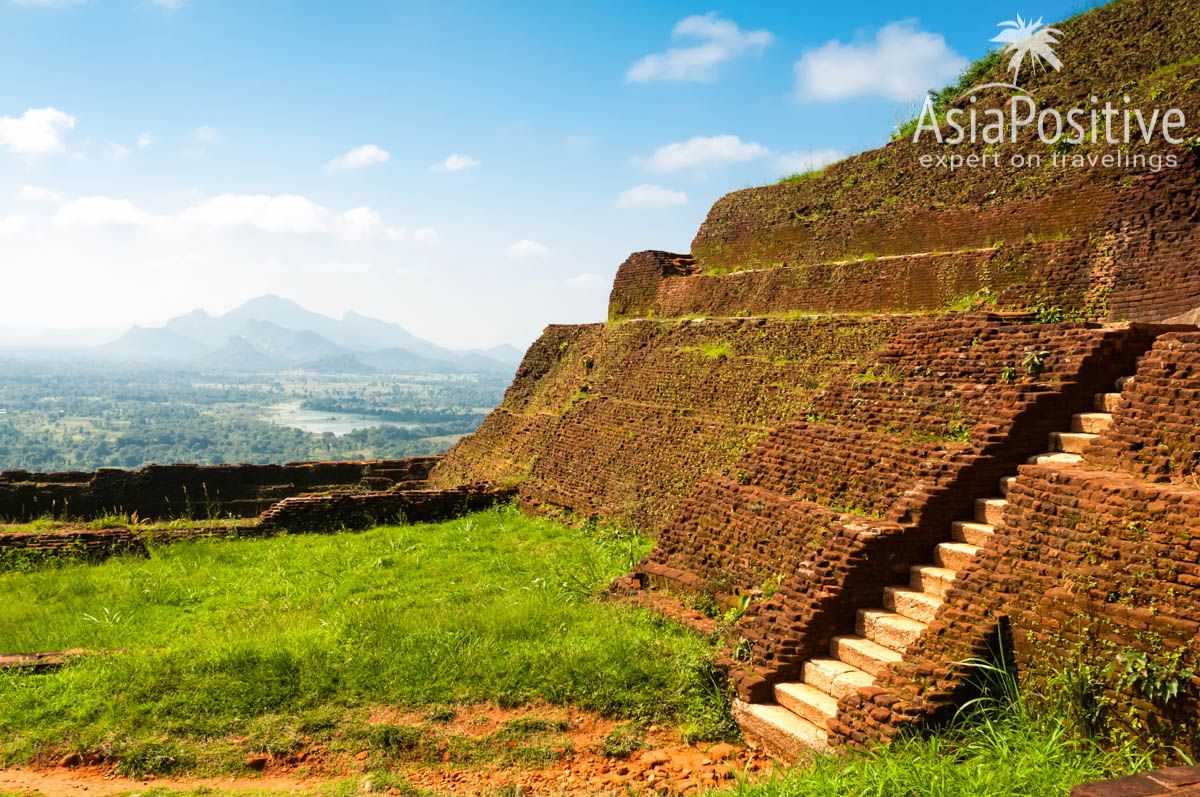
[[955, 555], [920, 606], [835, 678], [971, 532], [1071, 442], [990, 510], [1006, 484], [1056, 459], [889, 629], [1124, 382], [773, 728], [807, 701], [1091, 422], [870, 657], [1108, 402], [934, 580]]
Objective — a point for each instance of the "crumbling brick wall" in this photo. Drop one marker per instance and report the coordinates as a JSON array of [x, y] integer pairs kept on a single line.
[[196, 491], [20, 549], [357, 511]]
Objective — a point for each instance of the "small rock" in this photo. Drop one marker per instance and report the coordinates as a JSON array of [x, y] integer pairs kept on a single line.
[[719, 752], [654, 758], [258, 762], [362, 756], [70, 760]]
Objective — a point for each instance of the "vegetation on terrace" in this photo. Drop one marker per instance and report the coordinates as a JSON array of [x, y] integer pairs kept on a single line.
[[1152, 60]]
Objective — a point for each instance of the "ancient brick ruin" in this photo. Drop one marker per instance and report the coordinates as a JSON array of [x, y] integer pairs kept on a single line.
[[908, 420]]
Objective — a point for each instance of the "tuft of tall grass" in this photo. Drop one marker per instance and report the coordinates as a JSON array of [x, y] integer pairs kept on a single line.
[[1004, 743]]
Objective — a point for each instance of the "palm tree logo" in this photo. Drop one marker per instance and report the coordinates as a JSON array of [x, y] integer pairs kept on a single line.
[[1033, 40]]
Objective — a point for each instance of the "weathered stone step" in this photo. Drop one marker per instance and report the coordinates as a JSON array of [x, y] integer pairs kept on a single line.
[[807, 701], [1091, 422], [779, 731], [934, 580], [889, 629], [1124, 382], [955, 555], [835, 678], [971, 532], [1006, 484], [1108, 402], [870, 657], [990, 510], [1056, 459], [1071, 442], [920, 606]]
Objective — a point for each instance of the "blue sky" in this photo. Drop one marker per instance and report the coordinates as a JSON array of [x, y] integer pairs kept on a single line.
[[473, 171]]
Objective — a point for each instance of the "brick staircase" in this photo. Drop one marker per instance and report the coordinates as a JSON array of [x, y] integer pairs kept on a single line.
[[797, 720]]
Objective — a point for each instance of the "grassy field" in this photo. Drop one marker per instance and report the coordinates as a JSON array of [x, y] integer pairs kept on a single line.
[[215, 648]]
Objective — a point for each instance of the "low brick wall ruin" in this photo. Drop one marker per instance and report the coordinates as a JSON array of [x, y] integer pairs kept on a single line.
[[159, 492], [357, 511], [22, 549]]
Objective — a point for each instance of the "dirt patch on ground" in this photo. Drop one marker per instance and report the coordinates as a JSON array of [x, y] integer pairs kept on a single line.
[[482, 749]]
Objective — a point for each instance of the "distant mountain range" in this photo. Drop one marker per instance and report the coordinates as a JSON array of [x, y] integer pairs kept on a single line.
[[271, 333]]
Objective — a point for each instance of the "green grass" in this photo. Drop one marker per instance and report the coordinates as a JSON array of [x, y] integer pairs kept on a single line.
[[219, 645], [1005, 744]]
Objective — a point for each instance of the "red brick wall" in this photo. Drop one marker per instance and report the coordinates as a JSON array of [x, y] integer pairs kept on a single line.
[[170, 491]]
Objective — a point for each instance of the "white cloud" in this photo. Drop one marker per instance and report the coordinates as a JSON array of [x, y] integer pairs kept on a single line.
[[718, 40], [286, 213], [586, 281], [339, 267], [35, 193], [650, 196], [13, 225], [456, 163], [578, 143], [357, 158], [101, 211], [525, 250], [144, 140], [38, 131], [117, 152], [807, 160], [205, 134], [702, 153], [901, 64]]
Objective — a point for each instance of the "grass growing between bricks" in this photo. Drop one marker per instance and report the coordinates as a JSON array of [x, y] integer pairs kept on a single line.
[[219, 648]]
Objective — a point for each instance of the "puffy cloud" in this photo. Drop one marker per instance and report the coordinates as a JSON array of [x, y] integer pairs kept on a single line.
[[650, 196], [285, 213], [901, 64], [38, 131], [702, 153], [357, 158], [38, 194], [144, 140], [205, 134], [13, 225], [586, 281], [717, 41], [101, 211], [807, 160], [456, 163], [525, 250]]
